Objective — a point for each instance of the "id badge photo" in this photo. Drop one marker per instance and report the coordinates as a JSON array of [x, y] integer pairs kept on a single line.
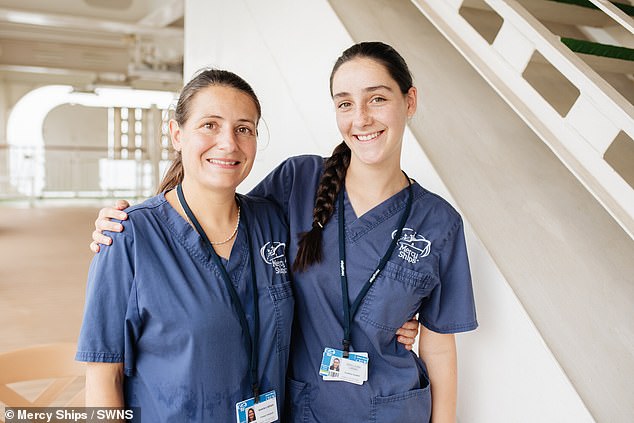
[[265, 411]]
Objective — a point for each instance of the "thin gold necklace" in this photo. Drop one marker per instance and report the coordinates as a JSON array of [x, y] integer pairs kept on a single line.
[[235, 230]]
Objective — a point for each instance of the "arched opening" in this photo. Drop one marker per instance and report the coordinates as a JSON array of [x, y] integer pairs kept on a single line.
[[29, 151]]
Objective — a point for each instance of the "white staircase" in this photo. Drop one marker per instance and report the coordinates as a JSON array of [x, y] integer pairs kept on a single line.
[[598, 116]]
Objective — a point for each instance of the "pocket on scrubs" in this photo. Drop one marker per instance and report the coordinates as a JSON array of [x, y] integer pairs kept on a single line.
[[297, 404], [394, 297], [284, 305], [406, 407]]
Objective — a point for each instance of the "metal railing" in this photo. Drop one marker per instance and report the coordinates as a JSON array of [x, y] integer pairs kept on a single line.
[[75, 172]]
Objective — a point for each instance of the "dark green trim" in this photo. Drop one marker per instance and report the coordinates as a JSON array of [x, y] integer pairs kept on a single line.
[[597, 49], [627, 8]]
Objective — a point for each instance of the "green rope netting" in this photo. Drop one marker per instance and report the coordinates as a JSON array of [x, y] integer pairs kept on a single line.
[[597, 49]]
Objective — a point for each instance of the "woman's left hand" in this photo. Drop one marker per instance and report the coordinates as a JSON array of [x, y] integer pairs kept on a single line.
[[407, 333]]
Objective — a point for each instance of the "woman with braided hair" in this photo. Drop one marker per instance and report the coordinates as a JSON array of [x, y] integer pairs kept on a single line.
[[370, 249]]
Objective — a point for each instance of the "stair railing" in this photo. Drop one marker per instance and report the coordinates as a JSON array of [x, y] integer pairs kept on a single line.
[[581, 137]]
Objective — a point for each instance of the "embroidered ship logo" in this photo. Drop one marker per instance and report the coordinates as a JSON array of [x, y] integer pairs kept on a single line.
[[412, 246], [273, 253]]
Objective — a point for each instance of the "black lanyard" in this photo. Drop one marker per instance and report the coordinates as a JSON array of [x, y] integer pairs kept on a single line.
[[348, 311], [250, 343]]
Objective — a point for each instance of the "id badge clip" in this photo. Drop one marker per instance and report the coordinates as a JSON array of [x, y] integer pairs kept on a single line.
[[264, 411]]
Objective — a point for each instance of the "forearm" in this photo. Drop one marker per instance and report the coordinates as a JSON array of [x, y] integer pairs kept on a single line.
[[438, 351], [104, 385]]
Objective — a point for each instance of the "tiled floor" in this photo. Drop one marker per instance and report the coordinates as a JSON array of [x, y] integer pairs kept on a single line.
[[44, 259]]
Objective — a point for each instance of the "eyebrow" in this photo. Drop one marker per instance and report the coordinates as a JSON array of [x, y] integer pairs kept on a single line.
[[368, 89], [222, 118]]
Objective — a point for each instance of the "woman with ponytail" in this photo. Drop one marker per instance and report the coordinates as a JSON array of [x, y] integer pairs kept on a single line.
[[184, 320], [370, 248]]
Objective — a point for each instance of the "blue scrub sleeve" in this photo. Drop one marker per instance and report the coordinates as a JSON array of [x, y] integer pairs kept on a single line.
[[450, 306], [276, 186], [111, 317]]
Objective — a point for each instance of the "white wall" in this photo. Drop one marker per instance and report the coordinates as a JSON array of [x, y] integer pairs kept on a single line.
[[67, 129], [11, 90], [285, 49], [287, 60]]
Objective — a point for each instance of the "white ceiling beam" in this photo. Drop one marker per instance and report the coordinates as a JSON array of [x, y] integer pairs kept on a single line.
[[83, 23], [42, 70], [11, 31], [163, 16]]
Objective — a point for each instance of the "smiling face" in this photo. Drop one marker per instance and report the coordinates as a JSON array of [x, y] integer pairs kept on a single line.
[[218, 139], [371, 110]]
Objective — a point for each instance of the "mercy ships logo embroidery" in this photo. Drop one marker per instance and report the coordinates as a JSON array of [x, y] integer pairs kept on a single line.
[[273, 253], [411, 246]]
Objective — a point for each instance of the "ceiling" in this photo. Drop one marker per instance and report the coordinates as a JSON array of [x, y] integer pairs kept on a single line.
[[135, 43], [139, 43]]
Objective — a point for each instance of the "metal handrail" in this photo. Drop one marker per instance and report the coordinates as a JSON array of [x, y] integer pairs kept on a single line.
[[74, 153], [77, 148]]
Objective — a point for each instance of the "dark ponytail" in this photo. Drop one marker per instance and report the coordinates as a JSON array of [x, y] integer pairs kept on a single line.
[[330, 184], [173, 176]]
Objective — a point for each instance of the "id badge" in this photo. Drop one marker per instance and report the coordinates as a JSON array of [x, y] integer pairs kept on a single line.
[[334, 367], [265, 411]]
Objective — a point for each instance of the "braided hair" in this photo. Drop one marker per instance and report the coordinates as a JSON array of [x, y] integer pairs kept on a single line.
[[334, 175]]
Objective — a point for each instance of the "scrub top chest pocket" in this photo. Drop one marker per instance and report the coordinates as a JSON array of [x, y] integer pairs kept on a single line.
[[273, 256], [283, 303], [395, 296]]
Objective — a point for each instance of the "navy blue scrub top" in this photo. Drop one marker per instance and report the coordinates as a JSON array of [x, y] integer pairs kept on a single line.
[[156, 302], [427, 274]]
